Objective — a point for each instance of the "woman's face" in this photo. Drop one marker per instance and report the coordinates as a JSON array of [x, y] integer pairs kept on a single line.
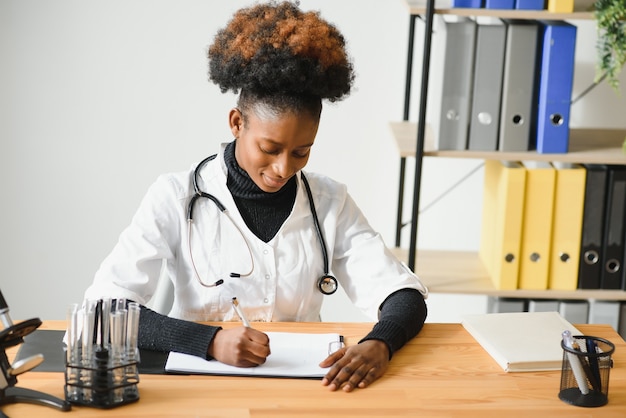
[[272, 149]]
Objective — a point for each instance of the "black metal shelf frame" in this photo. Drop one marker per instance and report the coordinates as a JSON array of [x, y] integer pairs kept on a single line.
[[421, 127]]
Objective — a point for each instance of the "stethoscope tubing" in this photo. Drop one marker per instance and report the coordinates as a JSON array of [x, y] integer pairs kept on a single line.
[[316, 222], [198, 193]]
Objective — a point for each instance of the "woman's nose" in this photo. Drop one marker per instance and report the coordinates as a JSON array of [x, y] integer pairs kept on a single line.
[[284, 166]]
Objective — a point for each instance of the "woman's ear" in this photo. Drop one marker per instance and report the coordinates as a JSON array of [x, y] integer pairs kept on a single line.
[[235, 120]]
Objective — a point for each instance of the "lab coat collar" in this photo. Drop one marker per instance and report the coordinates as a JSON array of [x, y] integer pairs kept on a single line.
[[216, 176]]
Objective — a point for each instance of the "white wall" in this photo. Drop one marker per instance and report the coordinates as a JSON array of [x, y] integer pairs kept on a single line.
[[99, 97]]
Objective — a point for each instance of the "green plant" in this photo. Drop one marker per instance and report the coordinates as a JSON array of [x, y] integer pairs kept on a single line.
[[611, 21]]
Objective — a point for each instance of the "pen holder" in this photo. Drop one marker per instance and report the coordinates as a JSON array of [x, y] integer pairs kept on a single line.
[[585, 371], [100, 380]]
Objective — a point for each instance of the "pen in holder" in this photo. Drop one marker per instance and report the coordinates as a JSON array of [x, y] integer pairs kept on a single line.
[[102, 354], [585, 371]]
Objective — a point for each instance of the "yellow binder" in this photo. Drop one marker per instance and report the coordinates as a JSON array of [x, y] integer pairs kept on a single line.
[[503, 200], [561, 6], [537, 225], [569, 199]]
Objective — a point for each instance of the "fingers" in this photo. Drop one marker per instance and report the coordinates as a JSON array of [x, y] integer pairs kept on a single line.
[[331, 359], [259, 340], [356, 367], [254, 347], [240, 347], [349, 377]]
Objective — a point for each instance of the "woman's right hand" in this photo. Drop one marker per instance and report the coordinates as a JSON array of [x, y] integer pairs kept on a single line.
[[240, 347]]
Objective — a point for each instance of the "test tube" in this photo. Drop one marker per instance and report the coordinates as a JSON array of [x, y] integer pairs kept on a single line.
[[87, 346], [117, 353], [132, 329], [73, 375], [132, 353], [120, 303], [72, 333], [106, 317], [120, 306]]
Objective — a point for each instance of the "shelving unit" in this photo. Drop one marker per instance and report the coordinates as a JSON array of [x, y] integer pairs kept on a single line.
[[416, 10], [467, 275], [605, 150]]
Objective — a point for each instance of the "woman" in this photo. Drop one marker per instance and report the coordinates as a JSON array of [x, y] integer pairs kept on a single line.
[[268, 233]]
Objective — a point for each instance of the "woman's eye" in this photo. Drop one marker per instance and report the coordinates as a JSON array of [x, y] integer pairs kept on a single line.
[[270, 152], [301, 154]]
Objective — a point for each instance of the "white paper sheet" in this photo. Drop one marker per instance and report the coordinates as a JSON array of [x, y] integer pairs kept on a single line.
[[293, 355]]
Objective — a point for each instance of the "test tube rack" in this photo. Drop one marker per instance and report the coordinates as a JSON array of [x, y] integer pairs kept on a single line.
[[102, 381], [102, 354]]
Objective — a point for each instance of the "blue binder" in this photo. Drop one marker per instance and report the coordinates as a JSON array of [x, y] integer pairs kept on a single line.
[[555, 87], [469, 4], [500, 4], [530, 4]]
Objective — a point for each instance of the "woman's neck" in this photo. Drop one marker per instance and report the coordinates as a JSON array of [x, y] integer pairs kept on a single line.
[[263, 212]]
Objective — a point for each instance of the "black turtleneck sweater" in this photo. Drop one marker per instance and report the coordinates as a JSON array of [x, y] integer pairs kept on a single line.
[[263, 212], [402, 314]]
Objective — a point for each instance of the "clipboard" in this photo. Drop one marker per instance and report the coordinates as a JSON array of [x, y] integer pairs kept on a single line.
[[294, 355]]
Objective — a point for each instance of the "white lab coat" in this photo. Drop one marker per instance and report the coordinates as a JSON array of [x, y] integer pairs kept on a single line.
[[283, 284]]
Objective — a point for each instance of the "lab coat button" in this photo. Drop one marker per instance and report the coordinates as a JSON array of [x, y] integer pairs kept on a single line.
[[267, 276], [266, 300]]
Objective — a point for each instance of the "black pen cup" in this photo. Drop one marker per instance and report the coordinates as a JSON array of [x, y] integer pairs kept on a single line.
[[585, 371]]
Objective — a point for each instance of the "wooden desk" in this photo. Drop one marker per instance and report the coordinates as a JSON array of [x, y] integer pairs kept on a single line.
[[442, 372]]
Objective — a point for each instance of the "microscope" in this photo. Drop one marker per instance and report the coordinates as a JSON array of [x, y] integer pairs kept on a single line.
[[11, 335]]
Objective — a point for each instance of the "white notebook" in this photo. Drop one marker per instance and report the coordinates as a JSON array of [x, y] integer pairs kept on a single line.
[[293, 355], [521, 341]]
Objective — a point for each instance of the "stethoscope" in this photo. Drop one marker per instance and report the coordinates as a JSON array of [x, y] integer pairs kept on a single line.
[[326, 284]]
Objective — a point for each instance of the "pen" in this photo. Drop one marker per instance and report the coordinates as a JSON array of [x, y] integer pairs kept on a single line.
[[574, 361], [240, 313], [592, 350], [586, 368]]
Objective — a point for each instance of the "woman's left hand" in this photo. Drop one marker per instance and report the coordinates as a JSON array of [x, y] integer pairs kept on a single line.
[[356, 366]]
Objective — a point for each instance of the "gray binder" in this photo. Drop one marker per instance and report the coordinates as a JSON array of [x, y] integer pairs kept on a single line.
[[543, 305], [487, 86], [575, 311], [518, 86], [605, 312], [457, 84], [505, 305]]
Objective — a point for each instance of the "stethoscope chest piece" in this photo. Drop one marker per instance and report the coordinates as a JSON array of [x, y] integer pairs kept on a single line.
[[327, 284]]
